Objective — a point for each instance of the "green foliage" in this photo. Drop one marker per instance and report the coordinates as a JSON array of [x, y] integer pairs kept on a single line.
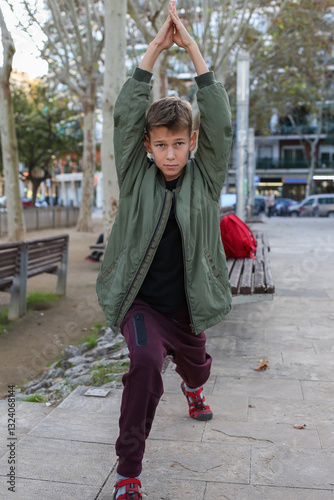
[[35, 398], [47, 124], [91, 339], [290, 67], [4, 323], [97, 327], [103, 373], [41, 300]]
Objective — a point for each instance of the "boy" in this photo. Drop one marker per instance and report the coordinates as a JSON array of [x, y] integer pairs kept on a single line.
[[164, 278]]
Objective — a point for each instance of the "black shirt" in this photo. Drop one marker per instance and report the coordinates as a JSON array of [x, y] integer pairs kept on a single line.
[[163, 287]]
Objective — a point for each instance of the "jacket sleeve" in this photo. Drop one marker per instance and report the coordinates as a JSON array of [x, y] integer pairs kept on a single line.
[[129, 123], [215, 132]]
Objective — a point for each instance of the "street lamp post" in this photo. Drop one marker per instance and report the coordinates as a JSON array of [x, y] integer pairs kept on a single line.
[[242, 132]]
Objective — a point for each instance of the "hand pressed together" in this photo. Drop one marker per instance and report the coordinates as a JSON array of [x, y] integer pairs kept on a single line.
[[173, 31], [180, 35]]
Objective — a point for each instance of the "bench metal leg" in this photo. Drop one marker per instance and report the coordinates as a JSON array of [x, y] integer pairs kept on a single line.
[[62, 273], [18, 290]]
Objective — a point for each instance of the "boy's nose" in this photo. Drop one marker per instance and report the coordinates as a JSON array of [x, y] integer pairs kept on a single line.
[[170, 153]]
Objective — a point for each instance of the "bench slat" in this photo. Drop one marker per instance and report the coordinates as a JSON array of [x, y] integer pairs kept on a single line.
[[230, 264], [40, 249], [7, 256], [246, 278], [98, 246], [6, 272], [270, 287], [235, 275], [43, 262], [6, 282], [43, 269], [44, 256], [259, 284]]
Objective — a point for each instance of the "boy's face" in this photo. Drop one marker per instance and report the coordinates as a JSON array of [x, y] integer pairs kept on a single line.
[[170, 150]]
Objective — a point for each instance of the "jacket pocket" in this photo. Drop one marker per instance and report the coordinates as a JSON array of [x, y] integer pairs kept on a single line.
[[215, 271], [110, 268]]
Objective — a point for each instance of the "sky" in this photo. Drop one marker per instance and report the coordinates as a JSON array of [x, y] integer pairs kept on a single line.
[[26, 55]]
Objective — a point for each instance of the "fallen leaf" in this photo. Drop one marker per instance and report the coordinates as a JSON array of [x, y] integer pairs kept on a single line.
[[264, 364], [300, 426], [251, 406], [84, 329]]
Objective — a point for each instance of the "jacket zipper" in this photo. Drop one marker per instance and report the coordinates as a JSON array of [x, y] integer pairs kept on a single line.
[[184, 266], [121, 314]]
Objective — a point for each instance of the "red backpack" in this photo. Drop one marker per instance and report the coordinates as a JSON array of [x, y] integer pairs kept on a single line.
[[238, 240]]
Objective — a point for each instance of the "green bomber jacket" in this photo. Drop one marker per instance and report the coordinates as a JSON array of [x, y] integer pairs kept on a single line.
[[145, 203]]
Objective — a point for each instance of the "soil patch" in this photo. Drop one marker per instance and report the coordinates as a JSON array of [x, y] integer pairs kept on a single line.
[[41, 335]]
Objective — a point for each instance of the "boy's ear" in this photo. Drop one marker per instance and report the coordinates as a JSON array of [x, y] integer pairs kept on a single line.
[[192, 141], [148, 144]]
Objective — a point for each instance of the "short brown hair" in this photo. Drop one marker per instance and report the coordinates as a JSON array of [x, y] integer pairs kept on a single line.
[[171, 112]]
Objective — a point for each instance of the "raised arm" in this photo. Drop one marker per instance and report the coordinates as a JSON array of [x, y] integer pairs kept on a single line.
[[130, 108], [163, 40], [182, 38], [215, 133]]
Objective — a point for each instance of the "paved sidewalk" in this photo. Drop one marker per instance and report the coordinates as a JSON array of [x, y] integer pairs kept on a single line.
[[251, 449]]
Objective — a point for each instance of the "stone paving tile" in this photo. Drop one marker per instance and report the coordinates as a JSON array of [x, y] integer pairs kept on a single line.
[[290, 411], [261, 432], [78, 401], [244, 366], [310, 358], [27, 416], [316, 390], [323, 345], [62, 461], [30, 489], [326, 435], [250, 492], [177, 429], [73, 426], [197, 461], [291, 467], [259, 386]]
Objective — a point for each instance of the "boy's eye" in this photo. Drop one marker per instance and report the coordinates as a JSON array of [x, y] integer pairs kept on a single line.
[[160, 145], [180, 143]]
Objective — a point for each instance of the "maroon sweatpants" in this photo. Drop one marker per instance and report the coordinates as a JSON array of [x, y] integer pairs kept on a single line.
[[150, 337]]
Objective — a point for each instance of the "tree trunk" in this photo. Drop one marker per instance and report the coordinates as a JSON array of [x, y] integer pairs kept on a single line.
[[114, 76], [310, 182], [88, 168], [10, 158]]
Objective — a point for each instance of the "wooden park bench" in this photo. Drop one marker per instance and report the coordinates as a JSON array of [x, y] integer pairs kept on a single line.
[[98, 246], [23, 259], [250, 279]]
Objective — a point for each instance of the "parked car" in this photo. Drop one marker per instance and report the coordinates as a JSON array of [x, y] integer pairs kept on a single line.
[[230, 200], [259, 205], [282, 205], [317, 205], [41, 203], [26, 202]]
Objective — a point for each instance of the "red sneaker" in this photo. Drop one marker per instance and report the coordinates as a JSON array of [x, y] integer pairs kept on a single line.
[[196, 401], [132, 489]]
